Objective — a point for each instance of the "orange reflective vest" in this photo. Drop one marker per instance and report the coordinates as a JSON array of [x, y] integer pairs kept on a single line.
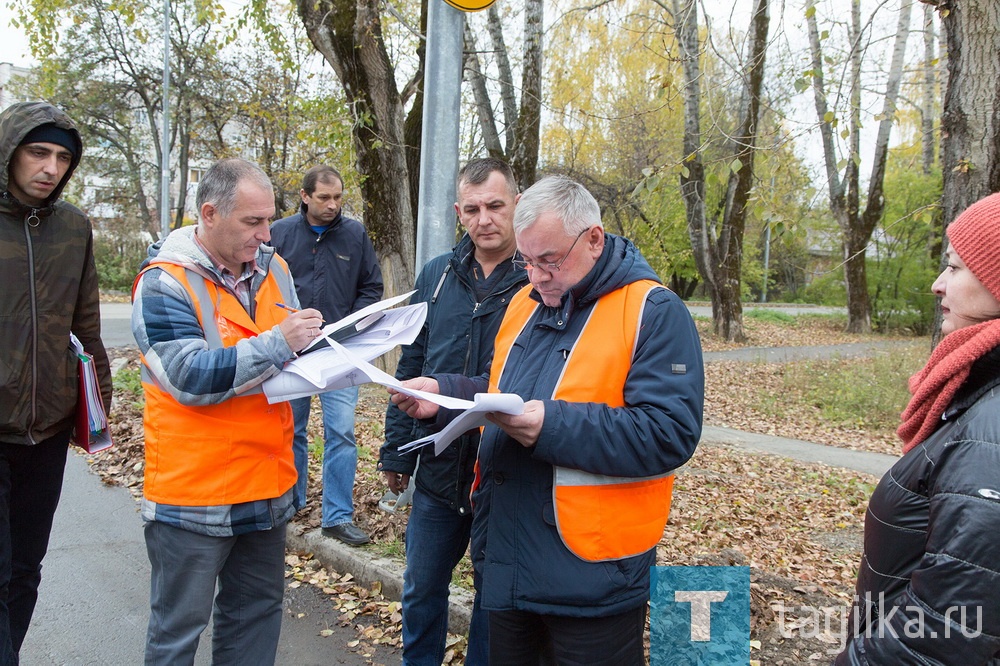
[[598, 517], [239, 450]]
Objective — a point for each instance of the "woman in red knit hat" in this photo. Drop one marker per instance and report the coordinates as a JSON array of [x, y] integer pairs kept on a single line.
[[928, 589]]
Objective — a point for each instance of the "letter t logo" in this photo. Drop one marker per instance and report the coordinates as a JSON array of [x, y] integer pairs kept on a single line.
[[701, 610]]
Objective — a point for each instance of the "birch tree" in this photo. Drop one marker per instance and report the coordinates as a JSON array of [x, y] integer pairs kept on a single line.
[[844, 176], [520, 121], [717, 242]]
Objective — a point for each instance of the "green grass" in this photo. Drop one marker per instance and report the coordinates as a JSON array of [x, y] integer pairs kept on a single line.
[[770, 315], [316, 447], [128, 380], [864, 393]]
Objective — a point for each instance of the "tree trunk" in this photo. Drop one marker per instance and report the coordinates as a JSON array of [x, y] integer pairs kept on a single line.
[[349, 35], [729, 322], [506, 82], [970, 125], [856, 227], [930, 92], [484, 106], [524, 159], [693, 171]]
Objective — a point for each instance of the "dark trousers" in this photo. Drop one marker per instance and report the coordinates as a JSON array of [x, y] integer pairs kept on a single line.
[[519, 638], [30, 483], [248, 570]]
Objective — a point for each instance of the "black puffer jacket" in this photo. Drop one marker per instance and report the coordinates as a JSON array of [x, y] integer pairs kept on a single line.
[[457, 337], [932, 543], [49, 288]]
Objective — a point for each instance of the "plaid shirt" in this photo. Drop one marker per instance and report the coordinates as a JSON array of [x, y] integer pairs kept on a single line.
[[223, 520]]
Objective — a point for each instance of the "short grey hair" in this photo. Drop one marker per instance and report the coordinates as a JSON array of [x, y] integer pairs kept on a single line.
[[565, 197], [219, 184]]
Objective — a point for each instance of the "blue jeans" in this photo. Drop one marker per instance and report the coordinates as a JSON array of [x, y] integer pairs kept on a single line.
[[249, 570], [436, 538], [340, 453], [30, 483]]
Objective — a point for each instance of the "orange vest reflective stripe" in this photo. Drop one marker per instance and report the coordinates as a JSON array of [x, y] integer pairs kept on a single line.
[[598, 517], [239, 450]]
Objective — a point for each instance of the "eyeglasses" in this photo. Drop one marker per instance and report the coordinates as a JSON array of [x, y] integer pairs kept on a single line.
[[520, 262]]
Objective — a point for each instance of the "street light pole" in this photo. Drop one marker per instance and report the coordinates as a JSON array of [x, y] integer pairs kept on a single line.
[[439, 156], [165, 138]]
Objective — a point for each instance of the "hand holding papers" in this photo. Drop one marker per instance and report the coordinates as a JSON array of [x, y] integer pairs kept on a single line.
[[369, 333], [473, 416]]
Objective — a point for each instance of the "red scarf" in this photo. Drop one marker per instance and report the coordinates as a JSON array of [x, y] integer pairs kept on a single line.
[[935, 385]]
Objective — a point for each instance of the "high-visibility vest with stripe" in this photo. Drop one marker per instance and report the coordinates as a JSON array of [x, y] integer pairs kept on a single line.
[[598, 517], [239, 450]]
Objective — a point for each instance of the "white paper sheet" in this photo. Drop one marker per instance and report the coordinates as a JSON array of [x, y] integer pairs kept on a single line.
[[337, 366], [473, 417]]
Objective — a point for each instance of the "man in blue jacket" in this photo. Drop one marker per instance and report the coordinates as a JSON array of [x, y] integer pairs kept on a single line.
[[572, 495], [336, 272], [467, 292]]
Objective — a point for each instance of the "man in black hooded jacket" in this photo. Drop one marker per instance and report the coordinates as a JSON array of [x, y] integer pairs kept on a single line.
[[49, 290]]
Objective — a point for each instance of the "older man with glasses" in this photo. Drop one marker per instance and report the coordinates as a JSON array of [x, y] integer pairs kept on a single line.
[[573, 494]]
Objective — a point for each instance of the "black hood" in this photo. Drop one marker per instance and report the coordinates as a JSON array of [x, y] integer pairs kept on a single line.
[[19, 119]]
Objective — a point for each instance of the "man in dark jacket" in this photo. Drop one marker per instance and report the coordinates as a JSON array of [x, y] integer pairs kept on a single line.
[[467, 292], [336, 272], [50, 290], [572, 495]]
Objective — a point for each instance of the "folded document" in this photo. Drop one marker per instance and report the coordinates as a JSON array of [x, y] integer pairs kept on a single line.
[[355, 370], [473, 417]]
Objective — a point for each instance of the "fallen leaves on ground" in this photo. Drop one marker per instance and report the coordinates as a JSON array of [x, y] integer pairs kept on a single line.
[[732, 400]]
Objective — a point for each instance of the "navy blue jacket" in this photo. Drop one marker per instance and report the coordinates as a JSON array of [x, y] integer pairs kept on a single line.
[[457, 337], [524, 563], [336, 272]]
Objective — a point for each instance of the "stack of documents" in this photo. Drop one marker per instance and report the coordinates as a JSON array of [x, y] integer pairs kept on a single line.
[[473, 416], [337, 365], [91, 430], [326, 364]]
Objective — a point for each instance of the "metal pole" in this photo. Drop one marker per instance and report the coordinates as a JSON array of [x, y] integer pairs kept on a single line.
[[439, 155], [165, 139]]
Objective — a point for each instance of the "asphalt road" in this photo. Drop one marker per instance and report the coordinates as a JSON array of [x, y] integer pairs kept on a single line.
[[116, 328]]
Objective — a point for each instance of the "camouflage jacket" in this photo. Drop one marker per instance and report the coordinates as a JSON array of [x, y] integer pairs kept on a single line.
[[49, 288]]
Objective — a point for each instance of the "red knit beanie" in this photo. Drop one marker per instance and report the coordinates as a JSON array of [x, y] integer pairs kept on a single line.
[[975, 236]]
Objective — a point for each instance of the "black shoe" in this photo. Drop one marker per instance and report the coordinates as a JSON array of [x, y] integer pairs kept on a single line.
[[349, 533]]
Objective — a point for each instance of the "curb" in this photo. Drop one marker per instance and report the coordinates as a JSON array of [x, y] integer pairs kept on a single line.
[[368, 568]]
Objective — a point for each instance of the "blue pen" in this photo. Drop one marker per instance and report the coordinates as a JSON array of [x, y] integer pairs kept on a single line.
[[286, 307]]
